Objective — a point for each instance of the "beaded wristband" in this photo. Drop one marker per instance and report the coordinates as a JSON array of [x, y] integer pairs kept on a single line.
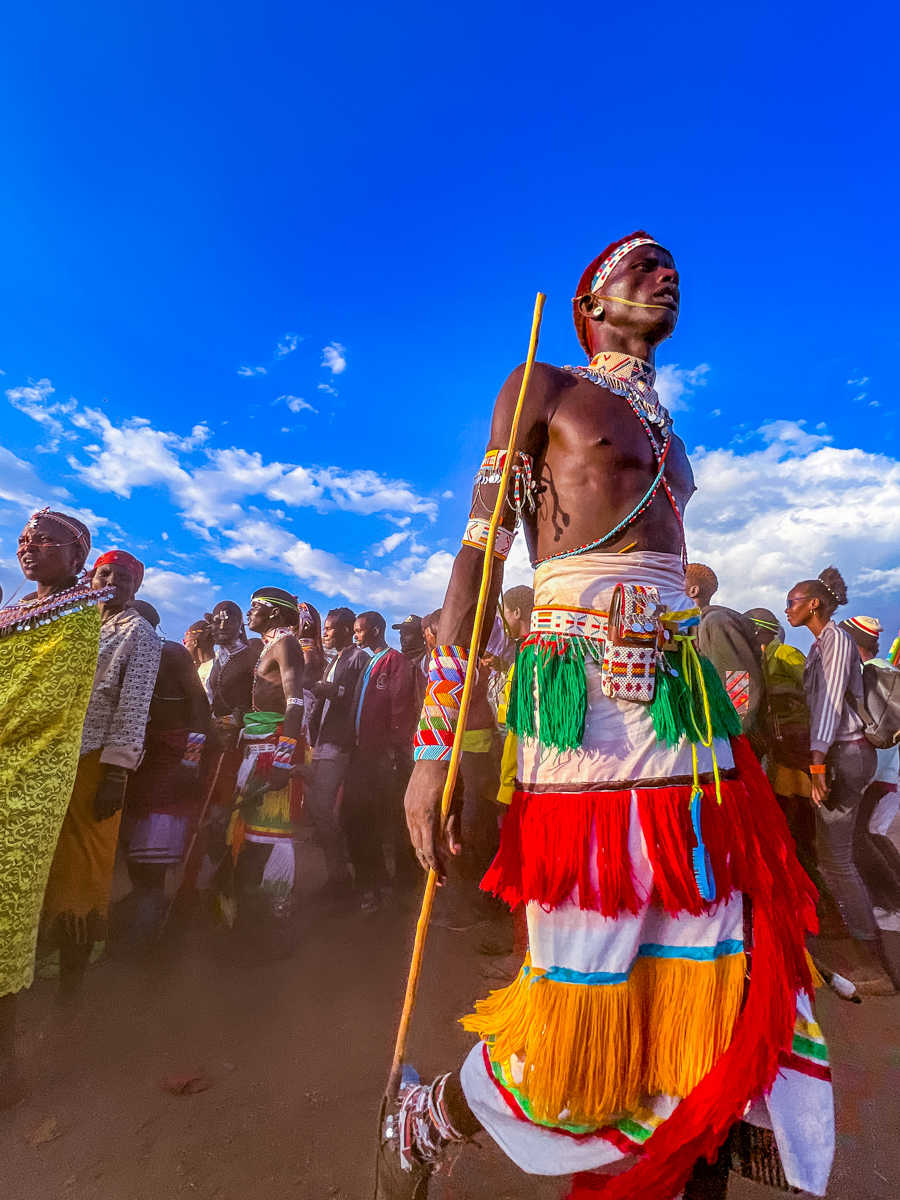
[[284, 752], [193, 750], [477, 535], [440, 712]]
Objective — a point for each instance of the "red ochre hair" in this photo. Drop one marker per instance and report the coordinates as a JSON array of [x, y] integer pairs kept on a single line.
[[584, 285]]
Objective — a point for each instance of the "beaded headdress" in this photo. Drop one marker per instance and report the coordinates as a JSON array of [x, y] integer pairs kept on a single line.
[[45, 513]]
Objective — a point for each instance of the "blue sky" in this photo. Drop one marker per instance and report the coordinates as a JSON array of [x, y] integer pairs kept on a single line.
[[276, 260]]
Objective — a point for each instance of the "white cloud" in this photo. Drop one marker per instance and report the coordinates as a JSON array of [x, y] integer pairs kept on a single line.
[[871, 582], [297, 403], [288, 346], [326, 387], [333, 358], [249, 371], [180, 599], [134, 454], [674, 384], [410, 584], [20, 485], [171, 592], [765, 519], [389, 544], [366, 492], [33, 401]]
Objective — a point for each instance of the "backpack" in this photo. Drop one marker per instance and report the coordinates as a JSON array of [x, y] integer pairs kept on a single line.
[[881, 688]]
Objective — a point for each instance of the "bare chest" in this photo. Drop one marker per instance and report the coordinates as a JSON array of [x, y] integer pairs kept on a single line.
[[595, 441]]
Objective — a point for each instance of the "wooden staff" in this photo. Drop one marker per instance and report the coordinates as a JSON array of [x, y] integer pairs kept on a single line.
[[203, 811], [415, 968]]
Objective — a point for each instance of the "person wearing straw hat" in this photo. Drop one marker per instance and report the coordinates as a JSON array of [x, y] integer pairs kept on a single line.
[[629, 1048]]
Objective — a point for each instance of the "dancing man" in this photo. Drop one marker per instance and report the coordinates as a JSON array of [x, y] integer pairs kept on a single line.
[[641, 831], [261, 833]]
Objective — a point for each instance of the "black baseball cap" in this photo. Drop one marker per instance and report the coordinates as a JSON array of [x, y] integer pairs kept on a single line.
[[411, 622]]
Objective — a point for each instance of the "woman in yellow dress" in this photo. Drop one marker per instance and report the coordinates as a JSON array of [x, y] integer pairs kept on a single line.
[[48, 654]]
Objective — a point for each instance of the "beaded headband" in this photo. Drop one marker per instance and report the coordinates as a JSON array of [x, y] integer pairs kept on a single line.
[[609, 264], [277, 602], [46, 514]]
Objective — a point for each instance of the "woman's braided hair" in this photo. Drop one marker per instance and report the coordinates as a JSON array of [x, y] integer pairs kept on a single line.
[[829, 589]]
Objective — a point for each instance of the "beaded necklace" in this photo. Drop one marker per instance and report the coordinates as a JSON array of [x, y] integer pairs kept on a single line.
[[31, 614], [627, 376], [269, 639]]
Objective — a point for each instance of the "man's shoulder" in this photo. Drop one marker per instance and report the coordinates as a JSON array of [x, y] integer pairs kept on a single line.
[[790, 655], [354, 659], [719, 614], [175, 652], [546, 381]]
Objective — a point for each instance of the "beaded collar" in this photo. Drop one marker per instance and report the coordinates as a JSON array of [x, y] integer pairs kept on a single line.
[[269, 639], [631, 377], [32, 614], [275, 635]]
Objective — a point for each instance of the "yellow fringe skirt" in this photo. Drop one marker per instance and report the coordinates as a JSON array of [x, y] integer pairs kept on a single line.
[[579, 1054]]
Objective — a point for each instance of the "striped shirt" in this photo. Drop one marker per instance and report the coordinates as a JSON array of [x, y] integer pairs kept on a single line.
[[832, 673]]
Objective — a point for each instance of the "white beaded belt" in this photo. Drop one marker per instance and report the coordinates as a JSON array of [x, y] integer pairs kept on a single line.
[[576, 622]]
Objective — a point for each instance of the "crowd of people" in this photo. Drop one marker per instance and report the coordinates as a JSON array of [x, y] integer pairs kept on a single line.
[[670, 797], [205, 754]]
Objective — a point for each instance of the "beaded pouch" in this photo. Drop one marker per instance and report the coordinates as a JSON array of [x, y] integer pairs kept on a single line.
[[628, 669]]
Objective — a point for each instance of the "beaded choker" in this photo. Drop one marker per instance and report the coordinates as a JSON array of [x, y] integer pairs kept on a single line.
[[631, 377], [31, 614]]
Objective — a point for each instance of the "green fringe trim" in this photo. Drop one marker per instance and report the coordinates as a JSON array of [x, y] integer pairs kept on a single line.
[[557, 664], [677, 710]]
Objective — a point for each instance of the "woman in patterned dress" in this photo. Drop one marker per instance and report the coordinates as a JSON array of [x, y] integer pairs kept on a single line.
[[48, 652]]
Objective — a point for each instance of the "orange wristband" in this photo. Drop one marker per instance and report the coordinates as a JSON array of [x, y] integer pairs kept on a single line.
[[817, 768]]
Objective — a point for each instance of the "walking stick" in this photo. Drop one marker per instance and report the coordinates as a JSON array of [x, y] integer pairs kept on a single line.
[[415, 968], [187, 858]]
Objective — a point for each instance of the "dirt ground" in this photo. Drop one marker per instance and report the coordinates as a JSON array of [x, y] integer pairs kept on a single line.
[[295, 1041]]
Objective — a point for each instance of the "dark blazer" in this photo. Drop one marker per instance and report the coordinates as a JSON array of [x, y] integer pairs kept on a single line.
[[338, 727]]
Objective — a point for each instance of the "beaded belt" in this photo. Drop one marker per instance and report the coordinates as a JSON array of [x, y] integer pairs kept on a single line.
[[575, 622]]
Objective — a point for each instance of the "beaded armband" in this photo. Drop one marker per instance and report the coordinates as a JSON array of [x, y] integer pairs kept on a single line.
[[523, 486], [477, 535], [440, 712], [289, 700], [307, 643], [284, 752], [193, 750]]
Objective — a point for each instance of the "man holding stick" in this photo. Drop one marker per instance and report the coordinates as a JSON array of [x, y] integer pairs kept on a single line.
[[641, 829]]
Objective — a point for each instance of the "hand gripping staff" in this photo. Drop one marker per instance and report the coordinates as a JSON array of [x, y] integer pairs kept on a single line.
[[415, 968]]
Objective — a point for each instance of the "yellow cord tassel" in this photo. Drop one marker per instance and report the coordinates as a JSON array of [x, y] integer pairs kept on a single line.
[[593, 1052]]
